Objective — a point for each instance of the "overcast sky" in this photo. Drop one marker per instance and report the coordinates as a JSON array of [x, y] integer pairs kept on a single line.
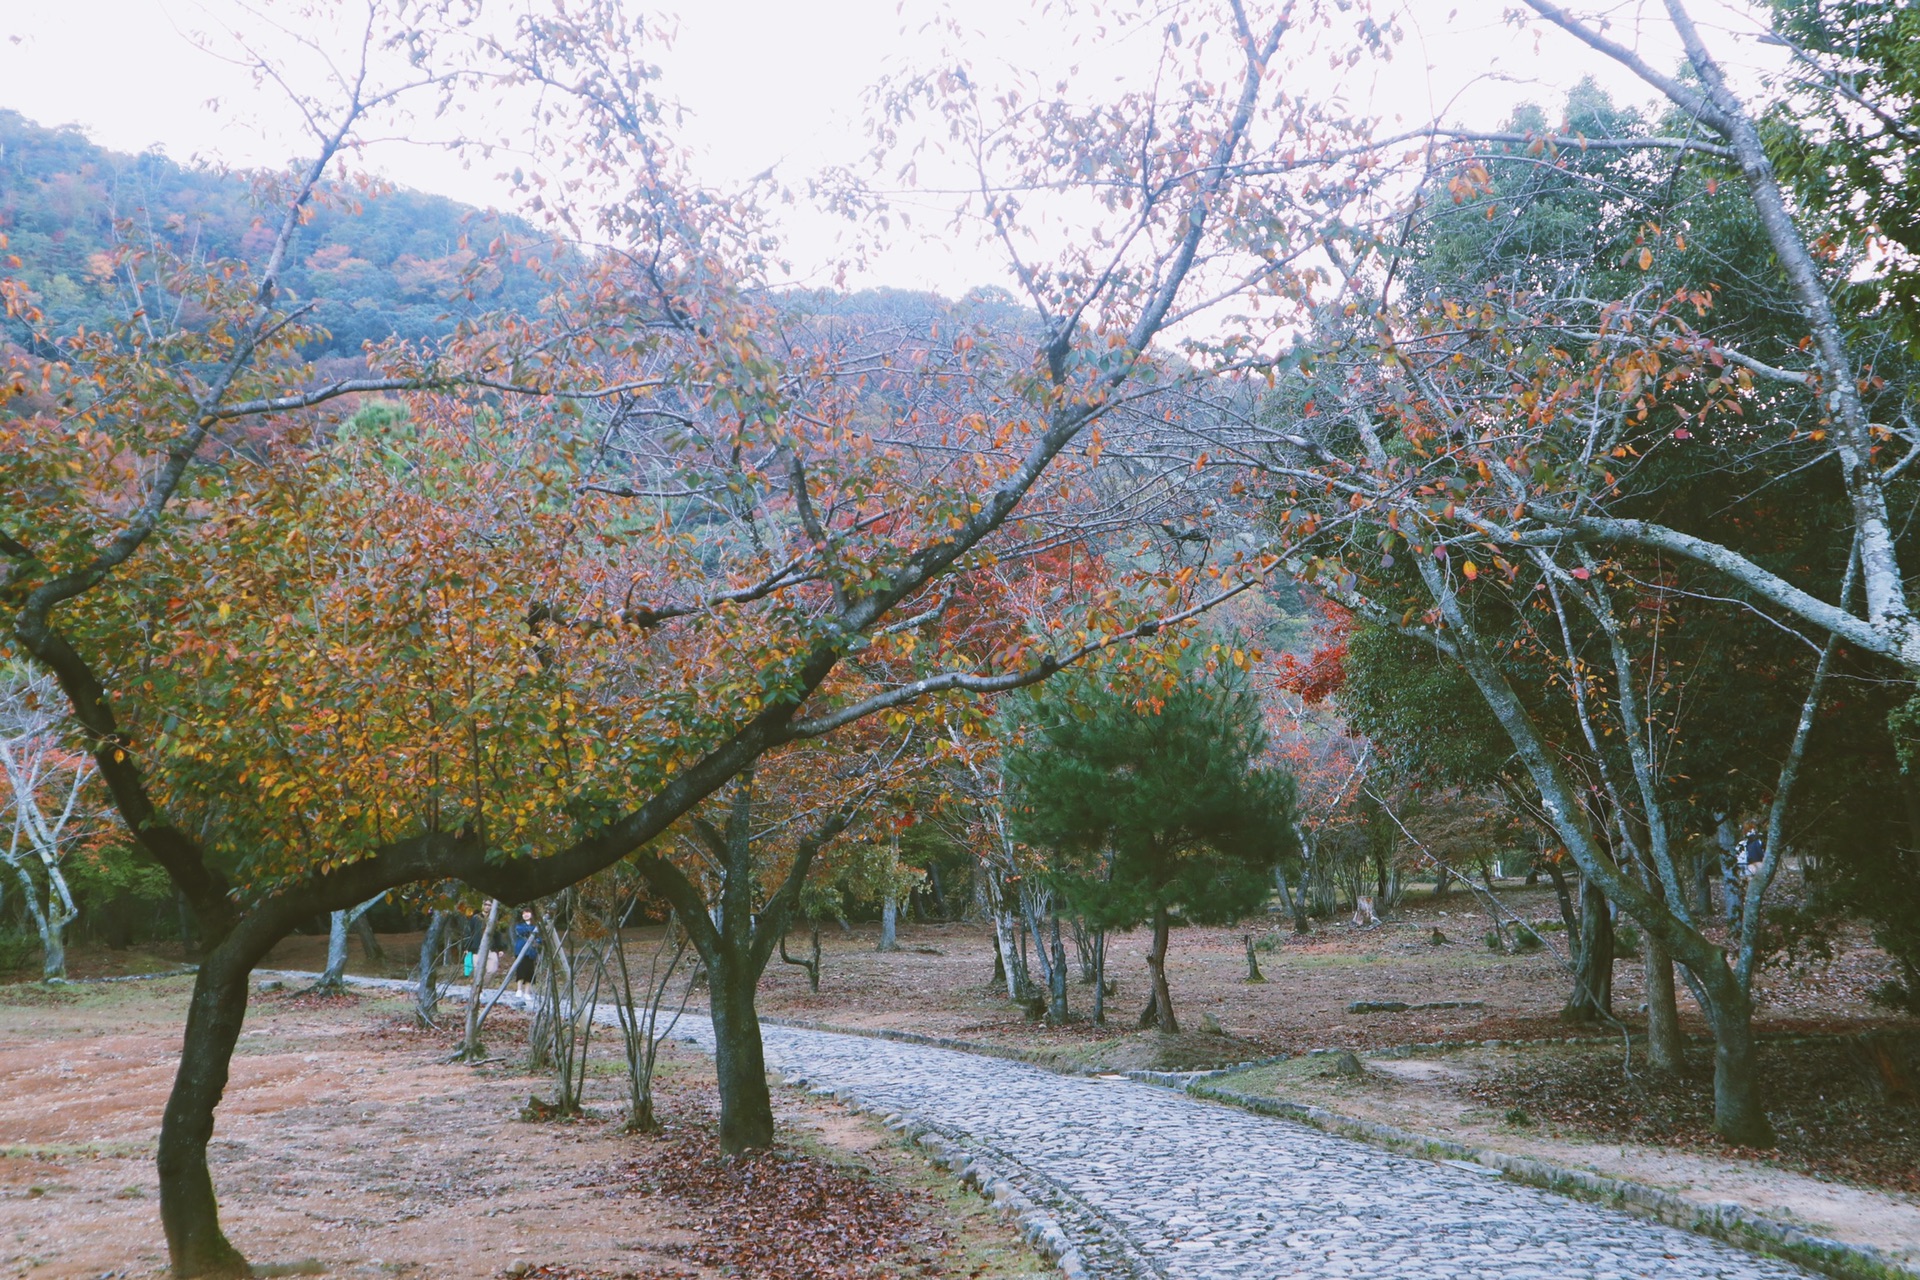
[[776, 83]]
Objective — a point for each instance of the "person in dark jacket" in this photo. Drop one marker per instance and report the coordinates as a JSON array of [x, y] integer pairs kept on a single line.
[[476, 936], [526, 945], [1751, 852]]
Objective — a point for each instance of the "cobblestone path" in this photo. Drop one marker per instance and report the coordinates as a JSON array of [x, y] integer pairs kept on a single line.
[[1147, 1181], [1191, 1190]]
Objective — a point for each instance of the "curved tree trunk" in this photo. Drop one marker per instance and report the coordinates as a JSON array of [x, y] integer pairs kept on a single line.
[[1160, 1011], [188, 1211], [426, 994]]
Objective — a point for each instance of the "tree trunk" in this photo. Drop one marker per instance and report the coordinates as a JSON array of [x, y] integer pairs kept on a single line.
[[1083, 949], [1057, 1011], [53, 921], [1737, 1114], [739, 1061], [1592, 998], [810, 962], [1565, 899], [939, 895], [332, 978], [1161, 1010], [1010, 969], [1703, 882], [188, 1211], [1665, 1048], [1100, 977], [53, 953], [889, 925], [470, 1047], [426, 996], [1443, 881], [1031, 908], [1726, 836], [189, 927], [370, 948], [1295, 903]]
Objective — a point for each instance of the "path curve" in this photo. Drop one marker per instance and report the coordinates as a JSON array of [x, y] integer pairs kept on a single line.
[[1144, 1179], [1200, 1191]]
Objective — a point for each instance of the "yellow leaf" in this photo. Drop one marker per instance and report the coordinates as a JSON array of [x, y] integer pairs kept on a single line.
[[1646, 259], [1471, 569]]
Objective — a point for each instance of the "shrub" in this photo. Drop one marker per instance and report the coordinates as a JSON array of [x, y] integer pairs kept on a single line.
[[19, 952]]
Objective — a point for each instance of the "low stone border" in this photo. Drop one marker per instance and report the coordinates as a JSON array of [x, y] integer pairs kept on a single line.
[[1031, 1057], [1038, 1227], [1725, 1220]]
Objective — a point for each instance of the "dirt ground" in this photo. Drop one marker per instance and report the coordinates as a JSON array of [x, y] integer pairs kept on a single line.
[[348, 1146], [1843, 1166]]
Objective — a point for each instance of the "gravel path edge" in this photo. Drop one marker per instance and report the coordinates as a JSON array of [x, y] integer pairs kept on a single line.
[[1727, 1221]]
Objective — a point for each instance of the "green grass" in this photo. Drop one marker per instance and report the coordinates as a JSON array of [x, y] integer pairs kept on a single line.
[[76, 1150]]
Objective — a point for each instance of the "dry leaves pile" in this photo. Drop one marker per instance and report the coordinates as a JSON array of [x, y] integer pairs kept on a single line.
[[785, 1215], [1826, 1118]]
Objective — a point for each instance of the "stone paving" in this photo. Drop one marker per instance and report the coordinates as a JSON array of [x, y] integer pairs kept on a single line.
[[1147, 1181], [1196, 1191]]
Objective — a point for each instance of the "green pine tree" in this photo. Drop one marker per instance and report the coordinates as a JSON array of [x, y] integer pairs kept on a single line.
[[1149, 801]]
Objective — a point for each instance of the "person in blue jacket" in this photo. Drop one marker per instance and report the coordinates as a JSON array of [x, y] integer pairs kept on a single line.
[[526, 945]]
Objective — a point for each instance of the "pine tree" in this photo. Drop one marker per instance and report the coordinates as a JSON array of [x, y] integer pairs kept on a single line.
[[1150, 802]]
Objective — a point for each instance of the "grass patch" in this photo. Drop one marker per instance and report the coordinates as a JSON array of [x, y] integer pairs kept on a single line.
[[76, 1150]]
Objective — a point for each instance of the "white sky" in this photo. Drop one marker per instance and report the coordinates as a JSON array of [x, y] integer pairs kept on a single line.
[[766, 82]]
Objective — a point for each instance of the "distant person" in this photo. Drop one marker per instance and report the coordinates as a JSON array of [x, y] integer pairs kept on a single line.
[[1751, 852], [526, 945], [476, 939]]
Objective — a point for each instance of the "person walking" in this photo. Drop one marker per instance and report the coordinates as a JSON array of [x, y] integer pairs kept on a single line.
[[526, 946]]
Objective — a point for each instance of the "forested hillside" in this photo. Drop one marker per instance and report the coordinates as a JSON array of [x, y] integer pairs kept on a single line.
[[380, 264]]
